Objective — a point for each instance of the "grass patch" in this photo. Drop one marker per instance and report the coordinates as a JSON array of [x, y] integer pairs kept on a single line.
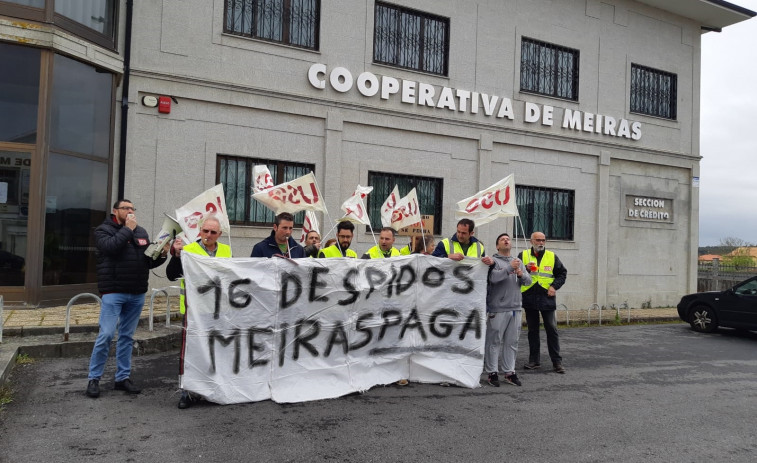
[[24, 359], [6, 396]]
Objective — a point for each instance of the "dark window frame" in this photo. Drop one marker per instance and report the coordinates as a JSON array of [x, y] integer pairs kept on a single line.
[[286, 22], [423, 57], [660, 101], [48, 15], [534, 78], [247, 189], [376, 200], [525, 198]]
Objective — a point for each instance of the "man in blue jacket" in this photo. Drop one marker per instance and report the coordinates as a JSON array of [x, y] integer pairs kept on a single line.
[[122, 274], [280, 242]]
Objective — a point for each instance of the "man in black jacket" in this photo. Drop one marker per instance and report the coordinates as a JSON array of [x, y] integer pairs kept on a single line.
[[280, 242], [122, 274]]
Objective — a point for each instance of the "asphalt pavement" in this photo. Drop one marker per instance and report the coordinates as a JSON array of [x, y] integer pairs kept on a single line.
[[659, 393]]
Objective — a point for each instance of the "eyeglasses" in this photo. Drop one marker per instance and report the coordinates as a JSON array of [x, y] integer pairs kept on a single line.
[[127, 208], [212, 232]]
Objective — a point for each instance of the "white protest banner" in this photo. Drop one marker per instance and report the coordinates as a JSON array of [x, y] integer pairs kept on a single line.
[[406, 212], [496, 201], [388, 207], [312, 329], [309, 224], [261, 178], [300, 194], [211, 201], [354, 207]]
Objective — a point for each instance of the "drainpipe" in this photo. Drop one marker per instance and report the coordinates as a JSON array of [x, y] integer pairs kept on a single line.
[[125, 100]]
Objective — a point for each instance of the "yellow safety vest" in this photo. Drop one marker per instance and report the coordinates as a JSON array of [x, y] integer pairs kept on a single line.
[[406, 251], [223, 251], [333, 251], [474, 250], [543, 276], [376, 253]]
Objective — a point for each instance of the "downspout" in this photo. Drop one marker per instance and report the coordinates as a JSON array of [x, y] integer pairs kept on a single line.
[[125, 101]]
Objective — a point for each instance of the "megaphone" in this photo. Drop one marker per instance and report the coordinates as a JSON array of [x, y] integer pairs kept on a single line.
[[168, 231]]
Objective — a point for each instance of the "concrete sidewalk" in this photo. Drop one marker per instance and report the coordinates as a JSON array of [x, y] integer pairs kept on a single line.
[[39, 333]]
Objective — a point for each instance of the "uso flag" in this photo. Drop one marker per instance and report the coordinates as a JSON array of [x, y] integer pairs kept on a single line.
[[300, 194], [211, 201], [496, 201]]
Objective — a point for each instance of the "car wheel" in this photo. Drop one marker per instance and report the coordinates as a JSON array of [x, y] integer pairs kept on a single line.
[[703, 319]]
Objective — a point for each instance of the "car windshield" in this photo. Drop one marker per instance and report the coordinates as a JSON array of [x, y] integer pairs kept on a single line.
[[749, 287]]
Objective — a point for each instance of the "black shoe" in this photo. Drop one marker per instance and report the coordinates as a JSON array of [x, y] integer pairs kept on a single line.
[[493, 379], [532, 366], [127, 386], [93, 388], [559, 368], [185, 401], [512, 379]]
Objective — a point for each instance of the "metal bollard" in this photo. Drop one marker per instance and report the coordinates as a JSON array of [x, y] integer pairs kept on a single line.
[[68, 309], [588, 313], [155, 292], [567, 313]]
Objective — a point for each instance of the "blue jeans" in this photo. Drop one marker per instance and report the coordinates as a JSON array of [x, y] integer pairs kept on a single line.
[[118, 310], [550, 326]]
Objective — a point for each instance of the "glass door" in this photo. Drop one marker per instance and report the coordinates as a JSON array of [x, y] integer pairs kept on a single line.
[[15, 173]]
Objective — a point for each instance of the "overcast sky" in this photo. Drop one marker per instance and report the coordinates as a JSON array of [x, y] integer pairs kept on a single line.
[[728, 177]]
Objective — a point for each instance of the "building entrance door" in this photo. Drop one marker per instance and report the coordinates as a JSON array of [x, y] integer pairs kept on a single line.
[[15, 173]]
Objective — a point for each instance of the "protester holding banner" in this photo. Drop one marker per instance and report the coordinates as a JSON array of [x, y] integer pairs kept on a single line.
[[462, 244], [503, 307], [547, 276], [344, 233], [280, 241], [385, 247], [206, 245], [122, 274], [312, 243]]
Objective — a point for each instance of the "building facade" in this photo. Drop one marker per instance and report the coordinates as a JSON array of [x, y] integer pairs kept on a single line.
[[592, 106]]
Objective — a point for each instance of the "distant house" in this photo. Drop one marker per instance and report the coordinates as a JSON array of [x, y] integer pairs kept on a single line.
[[709, 257]]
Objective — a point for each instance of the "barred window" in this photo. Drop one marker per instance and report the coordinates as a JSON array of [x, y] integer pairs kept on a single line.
[[653, 92], [235, 173], [548, 69], [410, 39], [547, 210], [291, 22], [428, 189]]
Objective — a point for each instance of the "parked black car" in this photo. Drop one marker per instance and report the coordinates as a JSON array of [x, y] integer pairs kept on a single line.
[[734, 308]]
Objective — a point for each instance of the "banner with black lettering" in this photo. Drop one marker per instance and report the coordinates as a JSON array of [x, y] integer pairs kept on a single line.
[[308, 329]]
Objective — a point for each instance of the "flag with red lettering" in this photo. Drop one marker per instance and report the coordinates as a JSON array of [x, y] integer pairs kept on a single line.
[[190, 215], [300, 194], [309, 224], [354, 207], [406, 212], [496, 201], [261, 178], [388, 207]]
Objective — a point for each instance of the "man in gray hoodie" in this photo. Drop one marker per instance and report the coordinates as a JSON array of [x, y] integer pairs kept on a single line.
[[504, 311]]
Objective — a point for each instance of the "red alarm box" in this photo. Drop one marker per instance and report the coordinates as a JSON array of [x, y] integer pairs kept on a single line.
[[164, 104]]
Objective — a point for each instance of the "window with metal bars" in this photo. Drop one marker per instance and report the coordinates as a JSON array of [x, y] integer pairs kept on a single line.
[[235, 173], [291, 22], [428, 189], [653, 92], [547, 210], [410, 39], [548, 69]]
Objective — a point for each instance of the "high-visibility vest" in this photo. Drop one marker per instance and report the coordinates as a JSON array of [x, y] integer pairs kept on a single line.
[[543, 276], [406, 251], [223, 251], [376, 253], [474, 250], [333, 251]]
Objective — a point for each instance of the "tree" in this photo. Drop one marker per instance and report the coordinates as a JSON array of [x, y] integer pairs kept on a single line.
[[733, 242]]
